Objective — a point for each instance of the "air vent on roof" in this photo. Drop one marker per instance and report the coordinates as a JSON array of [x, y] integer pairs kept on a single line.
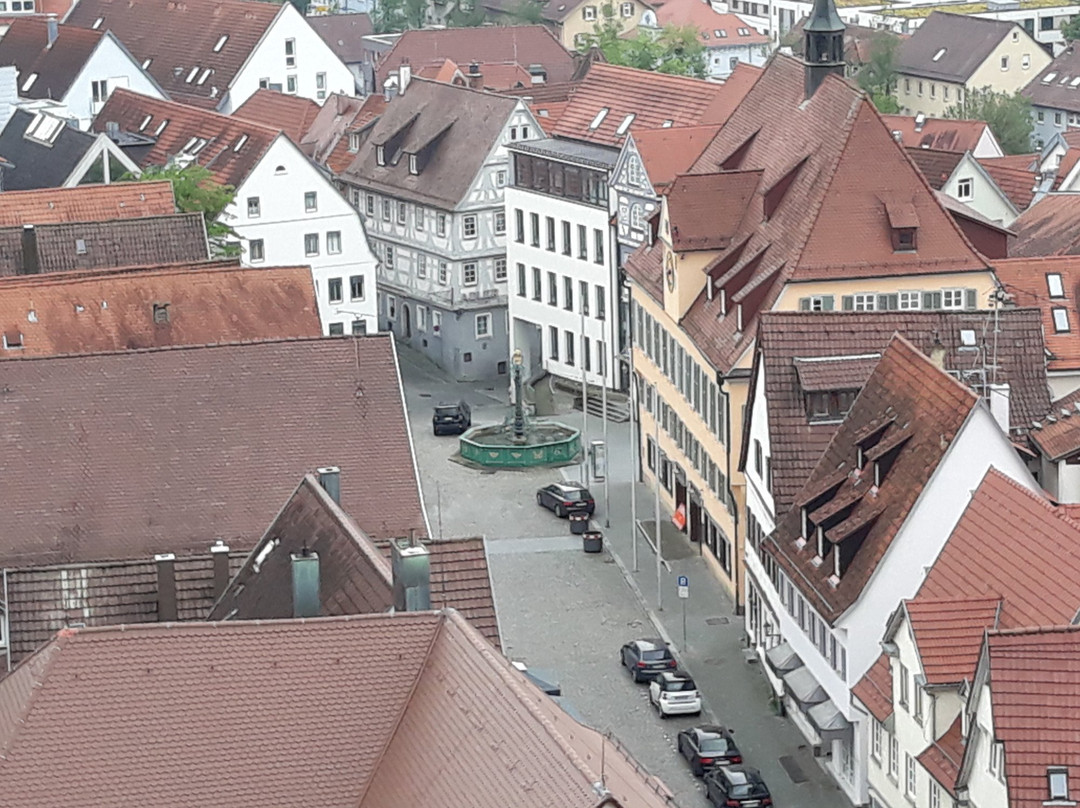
[[221, 43], [599, 119]]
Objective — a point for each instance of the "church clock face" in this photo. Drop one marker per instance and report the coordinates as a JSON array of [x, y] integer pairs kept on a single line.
[[669, 271]]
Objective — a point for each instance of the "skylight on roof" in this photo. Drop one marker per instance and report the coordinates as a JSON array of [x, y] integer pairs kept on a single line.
[[204, 76], [629, 119], [146, 63], [1061, 320], [599, 119], [722, 34], [1075, 82], [44, 127], [1049, 77], [967, 337], [190, 76], [145, 122], [221, 43], [200, 144], [240, 143], [717, 33], [191, 142], [744, 32], [29, 82], [939, 54], [161, 127], [1064, 80], [97, 23], [666, 124], [1055, 285]]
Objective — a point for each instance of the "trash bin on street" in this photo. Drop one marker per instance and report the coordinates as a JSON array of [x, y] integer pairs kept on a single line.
[[579, 522], [592, 541]]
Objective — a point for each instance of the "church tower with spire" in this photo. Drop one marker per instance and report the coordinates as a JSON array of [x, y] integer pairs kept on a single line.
[[823, 45]]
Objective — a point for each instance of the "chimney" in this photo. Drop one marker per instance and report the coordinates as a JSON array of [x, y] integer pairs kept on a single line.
[[999, 405], [305, 584], [411, 566], [474, 68], [30, 264], [219, 551], [920, 122], [937, 354], [330, 480], [404, 77], [823, 45], [52, 28], [112, 130], [475, 79], [166, 587]]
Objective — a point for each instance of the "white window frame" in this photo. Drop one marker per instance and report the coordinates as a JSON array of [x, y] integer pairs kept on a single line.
[[436, 320], [865, 301], [421, 265], [894, 756], [469, 274], [965, 189], [500, 269], [421, 318], [444, 273], [309, 239], [330, 283], [261, 250], [311, 201], [909, 301], [333, 242], [469, 226], [352, 287], [1054, 285], [500, 222], [957, 303], [877, 732], [254, 207], [485, 332], [910, 777]]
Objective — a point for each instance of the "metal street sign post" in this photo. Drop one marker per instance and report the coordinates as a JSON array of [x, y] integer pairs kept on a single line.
[[684, 594]]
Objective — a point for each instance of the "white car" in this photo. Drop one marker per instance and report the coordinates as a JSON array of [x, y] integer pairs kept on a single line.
[[674, 693]]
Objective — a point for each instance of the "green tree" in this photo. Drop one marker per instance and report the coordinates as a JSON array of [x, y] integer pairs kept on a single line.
[[526, 12], [392, 16], [1071, 29], [196, 191], [466, 14], [674, 49], [878, 76], [1008, 115]]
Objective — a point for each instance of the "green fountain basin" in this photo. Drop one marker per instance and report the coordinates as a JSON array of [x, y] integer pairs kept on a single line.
[[545, 444]]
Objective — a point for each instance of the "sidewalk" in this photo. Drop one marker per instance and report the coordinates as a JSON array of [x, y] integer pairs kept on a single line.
[[735, 690]]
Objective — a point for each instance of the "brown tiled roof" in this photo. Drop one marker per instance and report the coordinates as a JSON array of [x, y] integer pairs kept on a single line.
[[355, 574], [1016, 183], [669, 152], [705, 209], [343, 33], [459, 127], [1058, 431], [166, 449], [340, 157], [233, 145], [1048, 228], [1012, 544], [937, 166], [208, 302], [646, 267], [44, 600], [1035, 697], [784, 337], [87, 203], [523, 45], [942, 758], [376, 704], [950, 135], [25, 45], [1054, 87], [848, 373], [1024, 279], [179, 38], [834, 167], [291, 113], [929, 407], [874, 689], [949, 634], [68, 246], [967, 42], [652, 98]]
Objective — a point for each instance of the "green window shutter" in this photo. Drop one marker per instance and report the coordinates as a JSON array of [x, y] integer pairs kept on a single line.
[[928, 300], [882, 302], [894, 302], [969, 299], [827, 303], [847, 302], [936, 298], [804, 304]]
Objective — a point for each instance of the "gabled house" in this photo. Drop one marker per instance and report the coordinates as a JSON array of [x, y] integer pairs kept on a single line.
[[429, 175], [971, 182], [1053, 95], [574, 22], [950, 55], [1009, 563], [728, 39], [944, 134], [42, 150], [76, 67], [871, 518], [285, 210], [215, 54], [1056, 437], [293, 114], [333, 138], [345, 34]]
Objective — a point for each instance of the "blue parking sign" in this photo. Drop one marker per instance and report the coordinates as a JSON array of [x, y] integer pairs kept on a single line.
[[684, 580]]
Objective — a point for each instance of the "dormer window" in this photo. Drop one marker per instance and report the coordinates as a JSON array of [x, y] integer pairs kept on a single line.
[[832, 405], [354, 142], [380, 155], [1058, 782], [161, 313], [903, 221], [12, 340], [805, 521], [904, 239], [414, 164]]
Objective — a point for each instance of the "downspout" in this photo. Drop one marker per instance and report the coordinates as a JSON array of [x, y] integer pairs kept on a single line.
[[7, 624], [726, 426]]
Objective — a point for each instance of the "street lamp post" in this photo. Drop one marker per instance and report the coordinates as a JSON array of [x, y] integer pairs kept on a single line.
[[519, 405]]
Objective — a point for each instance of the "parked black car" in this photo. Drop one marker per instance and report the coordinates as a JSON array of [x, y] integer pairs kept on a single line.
[[708, 746], [646, 659], [451, 419], [736, 787], [565, 498]]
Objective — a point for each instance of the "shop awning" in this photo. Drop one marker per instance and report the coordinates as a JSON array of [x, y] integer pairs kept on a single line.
[[829, 722], [781, 658], [804, 688]]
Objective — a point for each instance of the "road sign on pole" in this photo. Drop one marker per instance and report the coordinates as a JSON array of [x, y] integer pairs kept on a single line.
[[684, 586]]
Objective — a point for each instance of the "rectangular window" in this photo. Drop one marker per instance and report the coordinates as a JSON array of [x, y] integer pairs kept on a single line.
[[311, 201], [256, 250], [311, 244], [100, 90], [440, 224], [369, 205], [334, 286], [468, 274], [320, 85], [483, 326], [421, 318], [468, 226], [500, 222], [909, 775], [386, 210], [356, 287], [290, 53], [534, 226], [1053, 284], [601, 303], [568, 344], [910, 300], [894, 756], [567, 247], [521, 280], [598, 237], [333, 242], [436, 321], [918, 703], [952, 298], [290, 87], [1058, 783], [965, 188], [568, 293], [582, 242], [875, 748], [1061, 320], [550, 233], [586, 354], [583, 291], [553, 290], [389, 258], [902, 684], [997, 754], [935, 795], [865, 302], [444, 273], [255, 209], [519, 225], [421, 265], [537, 285], [359, 327], [419, 214], [402, 214], [500, 269], [337, 329], [553, 343]]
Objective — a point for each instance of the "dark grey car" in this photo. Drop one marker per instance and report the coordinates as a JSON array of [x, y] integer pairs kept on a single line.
[[450, 418], [647, 658]]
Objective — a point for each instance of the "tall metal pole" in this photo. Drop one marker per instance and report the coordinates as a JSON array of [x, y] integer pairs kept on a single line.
[[656, 499], [584, 402], [607, 455], [635, 453]]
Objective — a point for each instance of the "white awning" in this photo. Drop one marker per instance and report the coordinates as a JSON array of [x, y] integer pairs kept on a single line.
[[781, 658], [804, 688], [829, 722]]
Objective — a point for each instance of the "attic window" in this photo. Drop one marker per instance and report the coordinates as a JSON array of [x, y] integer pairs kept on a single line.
[[161, 313], [1049, 77], [280, 170], [832, 405], [97, 23], [380, 155], [29, 82], [80, 246], [721, 34], [629, 119], [744, 32], [146, 63], [599, 119], [939, 54], [161, 127], [354, 142], [666, 124], [204, 76], [414, 164], [903, 239], [191, 75], [145, 122], [13, 340], [240, 143], [1073, 84], [967, 338], [1058, 782], [221, 43], [1061, 320], [1054, 285]]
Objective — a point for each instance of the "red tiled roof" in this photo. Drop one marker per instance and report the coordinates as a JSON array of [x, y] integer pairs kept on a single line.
[[1011, 544], [234, 146], [327, 141], [25, 44], [523, 45], [1016, 183], [1049, 227], [949, 634], [1025, 279], [209, 302], [1035, 697], [145, 464], [705, 209], [826, 375], [942, 758], [646, 267], [708, 22], [180, 40], [1020, 162], [1058, 432], [656, 98], [943, 134], [291, 113], [936, 165], [87, 203], [393, 711], [668, 152], [874, 689], [912, 400]]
